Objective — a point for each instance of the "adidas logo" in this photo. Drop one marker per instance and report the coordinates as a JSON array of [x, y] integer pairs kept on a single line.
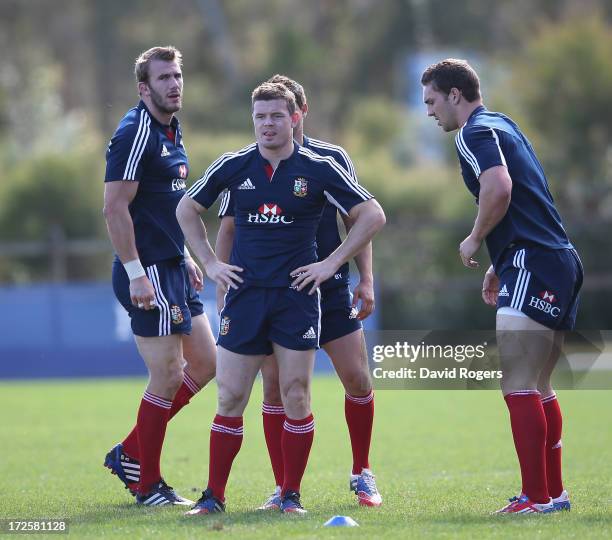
[[504, 291], [247, 184], [310, 334], [164, 151]]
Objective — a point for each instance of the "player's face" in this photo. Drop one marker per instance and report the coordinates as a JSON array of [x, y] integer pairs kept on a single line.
[[165, 86], [440, 108], [273, 123]]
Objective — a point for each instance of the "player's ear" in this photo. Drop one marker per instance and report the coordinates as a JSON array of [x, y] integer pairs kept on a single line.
[[143, 89], [295, 118], [455, 94]]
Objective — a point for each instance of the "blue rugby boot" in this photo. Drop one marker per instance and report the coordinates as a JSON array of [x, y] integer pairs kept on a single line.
[[207, 504], [366, 490], [290, 504], [162, 495], [126, 468]]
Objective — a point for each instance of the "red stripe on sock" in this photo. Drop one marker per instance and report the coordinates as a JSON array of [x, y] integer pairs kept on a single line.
[[224, 446], [359, 414], [529, 431]]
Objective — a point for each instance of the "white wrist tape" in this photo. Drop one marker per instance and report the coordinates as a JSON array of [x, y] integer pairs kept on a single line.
[[134, 269], [186, 252]]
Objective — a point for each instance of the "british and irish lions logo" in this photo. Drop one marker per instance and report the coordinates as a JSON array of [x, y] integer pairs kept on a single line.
[[300, 187], [176, 314], [224, 326]]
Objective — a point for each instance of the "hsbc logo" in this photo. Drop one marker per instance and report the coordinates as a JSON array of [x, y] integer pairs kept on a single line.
[[544, 302], [548, 297], [270, 209], [270, 213], [178, 184]]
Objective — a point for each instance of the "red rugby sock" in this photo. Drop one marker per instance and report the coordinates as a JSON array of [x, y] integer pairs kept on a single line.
[[529, 432], [187, 390], [273, 417], [225, 441], [296, 443], [152, 421], [359, 413], [554, 424]]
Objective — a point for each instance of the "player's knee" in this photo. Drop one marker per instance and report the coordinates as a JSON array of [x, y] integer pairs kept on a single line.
[[230, 400], [517, 384], [297, 395], [174, 379], [271, 392], [167, 376], [202, 372], [357, 383]]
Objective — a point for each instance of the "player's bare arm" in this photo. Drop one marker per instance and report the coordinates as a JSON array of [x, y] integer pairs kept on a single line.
[[364, 291], [493, 202], [188, 215], [223, 249], [368, 218], [117, 198]]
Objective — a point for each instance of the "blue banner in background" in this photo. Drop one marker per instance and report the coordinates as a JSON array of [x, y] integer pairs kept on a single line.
[[79, 330]]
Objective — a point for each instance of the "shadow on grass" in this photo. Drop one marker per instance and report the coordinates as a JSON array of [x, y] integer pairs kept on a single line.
[[136, 516]]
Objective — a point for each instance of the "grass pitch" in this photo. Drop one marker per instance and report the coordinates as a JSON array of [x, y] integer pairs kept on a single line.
[[444, 460]]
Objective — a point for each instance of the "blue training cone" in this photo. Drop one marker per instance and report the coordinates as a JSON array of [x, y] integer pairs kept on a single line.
[[341, 521]]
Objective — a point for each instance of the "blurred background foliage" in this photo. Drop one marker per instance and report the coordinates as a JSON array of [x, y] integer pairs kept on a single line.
[[66, 80]]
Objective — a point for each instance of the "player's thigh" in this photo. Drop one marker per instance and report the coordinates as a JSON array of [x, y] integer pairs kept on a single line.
[[544, 384], [235, 376], [163, 355], [269, 377], [199, 350], [350, 358], [524, 347], [295, 373]]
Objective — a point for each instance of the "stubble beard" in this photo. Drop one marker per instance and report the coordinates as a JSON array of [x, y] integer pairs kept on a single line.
[[158, 101]]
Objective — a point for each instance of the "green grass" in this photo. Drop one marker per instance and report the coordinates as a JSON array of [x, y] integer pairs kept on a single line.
[[443, 459]]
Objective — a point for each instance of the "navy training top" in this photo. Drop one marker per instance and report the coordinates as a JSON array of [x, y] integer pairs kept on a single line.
[[276, 219], [489, 139], [145, 151], [328, 235]]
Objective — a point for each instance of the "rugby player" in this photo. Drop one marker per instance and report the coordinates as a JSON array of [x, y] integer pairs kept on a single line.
[[341, 329], [273, 300], [533, 281], [154, 277]]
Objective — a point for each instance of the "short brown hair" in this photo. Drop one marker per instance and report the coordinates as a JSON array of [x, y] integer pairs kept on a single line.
[[453, 73], [268, 91], [294, 86], [167, 54]]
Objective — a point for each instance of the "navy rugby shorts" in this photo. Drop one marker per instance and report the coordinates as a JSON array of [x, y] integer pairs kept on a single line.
[[338, 317], [177, 300], [542, 283], [255, 317]]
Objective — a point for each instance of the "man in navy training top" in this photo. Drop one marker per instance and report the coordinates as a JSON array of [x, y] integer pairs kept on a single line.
[[154, 277], [273, 303], [534, 279], [341, 329]]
